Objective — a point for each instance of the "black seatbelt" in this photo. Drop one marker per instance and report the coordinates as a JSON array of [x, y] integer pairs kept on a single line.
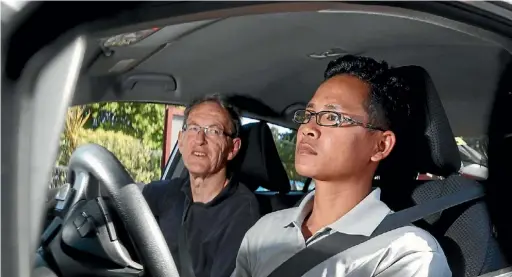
[[185, 261], [309, 257], [186, 269], [305, 188]]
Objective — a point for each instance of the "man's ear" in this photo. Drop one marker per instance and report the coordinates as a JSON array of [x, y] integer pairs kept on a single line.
[[385, 144], [237, 143]]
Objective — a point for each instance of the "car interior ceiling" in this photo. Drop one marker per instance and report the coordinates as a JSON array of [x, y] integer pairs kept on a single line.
[[276, 67]]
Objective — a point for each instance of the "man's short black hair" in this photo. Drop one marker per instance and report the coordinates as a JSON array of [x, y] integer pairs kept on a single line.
[[387, 104], [234, 115]]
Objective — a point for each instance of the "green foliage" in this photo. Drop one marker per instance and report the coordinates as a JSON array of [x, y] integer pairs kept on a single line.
[[76, 118], [132, 131], [141, 162], [144, 121], [285, 144]]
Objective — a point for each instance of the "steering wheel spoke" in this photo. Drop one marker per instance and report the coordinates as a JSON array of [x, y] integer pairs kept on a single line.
[[89, 221]]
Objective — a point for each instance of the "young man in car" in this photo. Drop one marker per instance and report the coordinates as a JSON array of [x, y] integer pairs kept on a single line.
[[206, 215], [348, 127]]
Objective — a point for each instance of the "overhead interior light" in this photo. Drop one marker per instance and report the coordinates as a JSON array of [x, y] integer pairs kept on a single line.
[[331, 53], [128, 38]]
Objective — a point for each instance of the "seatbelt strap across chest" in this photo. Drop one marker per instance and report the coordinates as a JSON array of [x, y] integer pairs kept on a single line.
[[185, 261], [320, 251]]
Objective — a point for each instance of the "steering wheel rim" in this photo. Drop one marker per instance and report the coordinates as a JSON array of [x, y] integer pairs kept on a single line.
[[130, 205]]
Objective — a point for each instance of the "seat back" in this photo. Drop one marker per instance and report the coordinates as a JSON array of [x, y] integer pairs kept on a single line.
[[258, 165], [465, 232]]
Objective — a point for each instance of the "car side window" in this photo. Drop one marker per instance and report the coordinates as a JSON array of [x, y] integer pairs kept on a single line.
[[473, 156], [134, 132], [285, 139]]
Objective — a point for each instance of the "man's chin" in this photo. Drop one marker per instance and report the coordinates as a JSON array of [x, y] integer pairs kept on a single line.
[[198, 169], [305, 170]]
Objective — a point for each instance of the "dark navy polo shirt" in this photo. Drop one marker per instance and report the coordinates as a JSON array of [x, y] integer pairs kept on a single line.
[[214, 230]]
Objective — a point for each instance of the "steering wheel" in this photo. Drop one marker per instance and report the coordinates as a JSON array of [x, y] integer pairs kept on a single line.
[[128, 201]]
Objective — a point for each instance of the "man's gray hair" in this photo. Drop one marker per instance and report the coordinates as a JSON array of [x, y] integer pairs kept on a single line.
[[234, 115]]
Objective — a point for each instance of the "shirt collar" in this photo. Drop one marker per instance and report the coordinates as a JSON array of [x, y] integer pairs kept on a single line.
[[305, 207], [363, 219], [226, 192]]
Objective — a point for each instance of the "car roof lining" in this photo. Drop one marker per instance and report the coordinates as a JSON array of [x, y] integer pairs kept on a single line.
[[265, 57]]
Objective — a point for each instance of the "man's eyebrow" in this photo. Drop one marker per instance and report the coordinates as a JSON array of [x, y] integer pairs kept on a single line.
[[310, 105], [333, 106], [218, 126]]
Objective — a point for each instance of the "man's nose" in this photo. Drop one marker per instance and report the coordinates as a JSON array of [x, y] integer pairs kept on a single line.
[[310, 129], [200, 137]]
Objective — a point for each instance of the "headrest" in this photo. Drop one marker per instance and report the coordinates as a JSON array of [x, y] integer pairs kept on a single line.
[[430, 142], [258, 162]]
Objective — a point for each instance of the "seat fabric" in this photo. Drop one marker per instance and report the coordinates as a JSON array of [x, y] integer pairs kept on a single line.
[[465, 232], [258, 165]]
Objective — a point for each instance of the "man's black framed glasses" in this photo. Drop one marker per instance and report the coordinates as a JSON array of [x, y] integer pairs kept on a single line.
[[331, 119]]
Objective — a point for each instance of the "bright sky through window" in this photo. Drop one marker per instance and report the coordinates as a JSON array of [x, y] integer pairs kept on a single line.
[[281, 130]]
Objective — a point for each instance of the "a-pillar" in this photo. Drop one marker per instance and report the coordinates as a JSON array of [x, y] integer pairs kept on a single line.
[[173, 121]]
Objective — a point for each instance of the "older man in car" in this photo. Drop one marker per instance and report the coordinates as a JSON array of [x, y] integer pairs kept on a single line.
[[205, 216], [348, 127]]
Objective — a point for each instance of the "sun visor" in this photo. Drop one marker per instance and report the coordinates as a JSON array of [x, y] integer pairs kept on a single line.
[[149, 82]]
